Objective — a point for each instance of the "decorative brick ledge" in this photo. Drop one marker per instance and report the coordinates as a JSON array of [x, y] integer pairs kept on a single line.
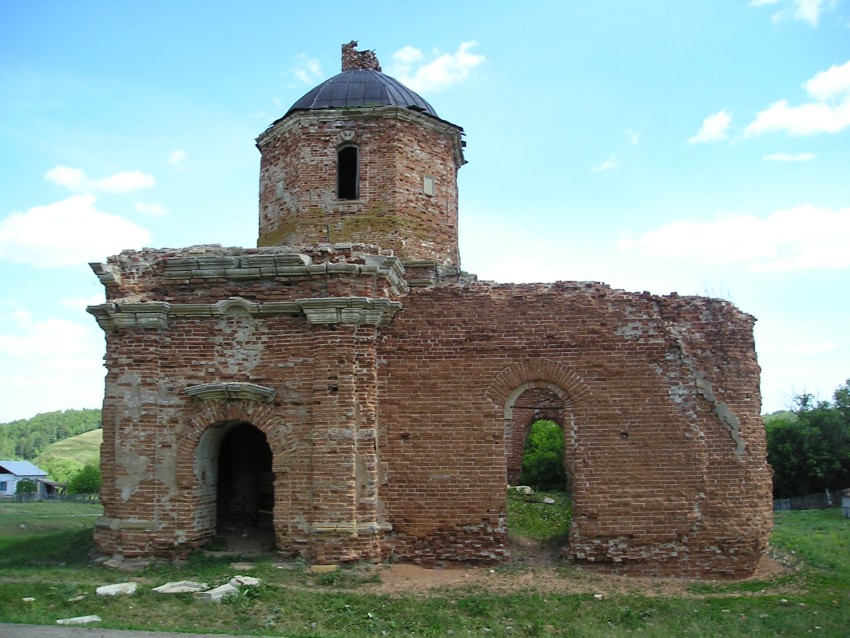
[[319, 311]]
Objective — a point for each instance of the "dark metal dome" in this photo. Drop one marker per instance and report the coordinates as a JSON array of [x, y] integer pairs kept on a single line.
[[361, 88]]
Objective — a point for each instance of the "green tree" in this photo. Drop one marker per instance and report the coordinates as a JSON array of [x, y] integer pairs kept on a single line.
[[543, 459], [60, 470], [85, 481], [25, 487], [809, 448]]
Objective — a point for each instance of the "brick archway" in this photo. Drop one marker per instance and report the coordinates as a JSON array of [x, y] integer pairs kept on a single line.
[[532, 402], [532, 390], [566, 380], [200, 437]]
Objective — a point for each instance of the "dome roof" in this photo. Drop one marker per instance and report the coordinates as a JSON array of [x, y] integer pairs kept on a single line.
[[361, 88]]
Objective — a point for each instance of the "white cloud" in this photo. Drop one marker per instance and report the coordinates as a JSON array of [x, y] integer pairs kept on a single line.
[[832, 83], [801, 238], [632, 136], [440, 73], [50, 364], [307, 69], [611, 163], [713, 128], [177, 157], [154, 210], [80, 303], [813, 348], [807, 119], [808, 11], [50, 337], [407, 55], [789, 157], [71, 231], [76, 180], [828, 113]]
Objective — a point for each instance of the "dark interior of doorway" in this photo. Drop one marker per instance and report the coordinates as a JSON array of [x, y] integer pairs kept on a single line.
[[245, 496]]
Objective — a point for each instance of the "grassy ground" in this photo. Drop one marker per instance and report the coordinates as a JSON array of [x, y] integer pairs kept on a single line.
[[814, 599], [532, 517]]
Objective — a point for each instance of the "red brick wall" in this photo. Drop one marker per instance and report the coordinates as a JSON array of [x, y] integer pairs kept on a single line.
[[661, 484], [389, 433]]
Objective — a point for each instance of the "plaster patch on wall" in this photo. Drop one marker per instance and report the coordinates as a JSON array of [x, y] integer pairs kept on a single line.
[[166, 473], [239, 342], [679, 393], [135, 467], [131, 394], [731, 422]]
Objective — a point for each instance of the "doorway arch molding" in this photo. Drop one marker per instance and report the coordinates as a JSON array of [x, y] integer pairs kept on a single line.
[[554, 376]]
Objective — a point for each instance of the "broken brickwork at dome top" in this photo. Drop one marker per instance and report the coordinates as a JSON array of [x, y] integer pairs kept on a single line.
[[347, 388]]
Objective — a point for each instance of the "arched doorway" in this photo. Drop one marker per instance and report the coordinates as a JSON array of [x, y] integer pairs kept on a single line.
[[536, 402], [538, 432], [237, 486]]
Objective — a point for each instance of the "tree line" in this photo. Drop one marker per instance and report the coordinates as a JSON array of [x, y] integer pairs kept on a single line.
[[25, 439], [809, 446]]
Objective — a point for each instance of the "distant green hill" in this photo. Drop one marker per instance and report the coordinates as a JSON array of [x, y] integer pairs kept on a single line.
[[83, 448], [64, 458], [26, 439]]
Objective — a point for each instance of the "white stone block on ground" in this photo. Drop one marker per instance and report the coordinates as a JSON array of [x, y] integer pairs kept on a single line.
[[216, 595], [118, 589], [244, 581], [78, 620], [180, 587]]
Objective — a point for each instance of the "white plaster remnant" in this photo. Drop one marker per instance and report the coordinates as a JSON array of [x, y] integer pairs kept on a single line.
[[135, 467], [244, 581], [218, 594], [118, 589], [731, 422], [180, 587], [78, 620]]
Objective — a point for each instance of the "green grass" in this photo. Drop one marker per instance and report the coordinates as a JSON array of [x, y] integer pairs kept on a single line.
[[46, 532], [83, 448], [530, 517], [814, 599]]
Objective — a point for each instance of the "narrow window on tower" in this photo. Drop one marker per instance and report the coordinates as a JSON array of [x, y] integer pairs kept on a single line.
[[347, 173]]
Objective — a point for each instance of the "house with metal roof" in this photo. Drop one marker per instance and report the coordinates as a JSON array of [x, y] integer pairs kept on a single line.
[[12, 472]]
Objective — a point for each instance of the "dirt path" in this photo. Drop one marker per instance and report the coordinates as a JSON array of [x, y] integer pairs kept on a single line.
[[535, 569]]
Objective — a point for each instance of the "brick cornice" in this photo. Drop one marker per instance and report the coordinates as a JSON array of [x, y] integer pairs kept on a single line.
[[319, 311]]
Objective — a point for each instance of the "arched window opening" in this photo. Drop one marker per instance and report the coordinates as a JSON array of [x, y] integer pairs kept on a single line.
[[348, 173]]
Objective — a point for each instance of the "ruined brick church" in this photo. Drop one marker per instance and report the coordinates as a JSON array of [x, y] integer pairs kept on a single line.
[[348, 387]]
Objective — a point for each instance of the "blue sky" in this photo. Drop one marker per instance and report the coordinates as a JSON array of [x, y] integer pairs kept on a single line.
[[701, 147]]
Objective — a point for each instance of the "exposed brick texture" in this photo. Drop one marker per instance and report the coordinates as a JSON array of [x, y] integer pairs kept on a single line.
[[398, 148], [394, 393]]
